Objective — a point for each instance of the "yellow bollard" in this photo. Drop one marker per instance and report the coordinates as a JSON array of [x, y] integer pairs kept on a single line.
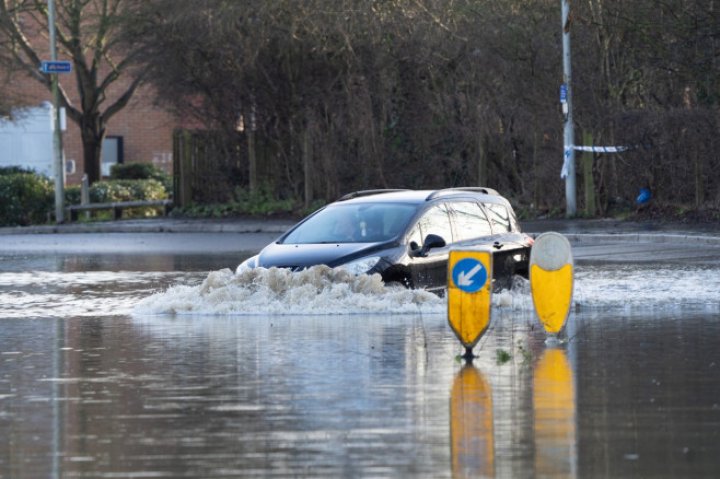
[[469, 295], [551, 280]]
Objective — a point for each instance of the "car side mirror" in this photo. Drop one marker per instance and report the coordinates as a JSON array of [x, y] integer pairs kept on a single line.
[[431, 241]]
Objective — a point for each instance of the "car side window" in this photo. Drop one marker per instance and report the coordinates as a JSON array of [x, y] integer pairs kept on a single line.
[[470, 220], [415, 237], [436, 221], [499, 217]]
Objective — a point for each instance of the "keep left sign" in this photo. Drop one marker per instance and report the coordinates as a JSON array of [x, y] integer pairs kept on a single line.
[[469, 294]]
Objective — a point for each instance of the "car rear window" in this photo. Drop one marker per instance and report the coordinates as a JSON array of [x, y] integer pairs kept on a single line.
[[353, 223]]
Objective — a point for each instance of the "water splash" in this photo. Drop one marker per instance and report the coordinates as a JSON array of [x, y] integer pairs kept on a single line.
[[324, 291], [319, 290]]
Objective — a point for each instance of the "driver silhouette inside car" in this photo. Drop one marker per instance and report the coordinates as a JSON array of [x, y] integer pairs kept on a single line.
[[346, 230]]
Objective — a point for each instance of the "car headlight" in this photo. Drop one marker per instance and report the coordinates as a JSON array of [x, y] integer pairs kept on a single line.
[[360, 266], [249, 263]]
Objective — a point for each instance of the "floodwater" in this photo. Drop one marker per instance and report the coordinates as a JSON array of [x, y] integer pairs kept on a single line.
[[152, 366]]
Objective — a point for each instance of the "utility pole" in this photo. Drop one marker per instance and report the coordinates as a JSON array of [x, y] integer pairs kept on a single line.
[[568, 171], [57, 134]]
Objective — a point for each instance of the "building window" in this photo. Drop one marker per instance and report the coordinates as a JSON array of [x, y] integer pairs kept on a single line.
[[112, 153]]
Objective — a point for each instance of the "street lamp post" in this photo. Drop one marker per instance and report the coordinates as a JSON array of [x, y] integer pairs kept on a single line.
[[569, 134], [57, 135]]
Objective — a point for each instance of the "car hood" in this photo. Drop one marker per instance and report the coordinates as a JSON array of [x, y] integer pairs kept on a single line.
[[299, 256]]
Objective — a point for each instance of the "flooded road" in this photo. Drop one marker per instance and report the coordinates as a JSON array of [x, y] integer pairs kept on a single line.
[[345, 380]]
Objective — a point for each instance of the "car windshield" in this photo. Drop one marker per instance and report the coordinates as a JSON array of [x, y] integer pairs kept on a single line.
[[353, 223]]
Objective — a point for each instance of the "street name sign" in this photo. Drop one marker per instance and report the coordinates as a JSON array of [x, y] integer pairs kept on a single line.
[[469, 294], [58, 66], [551, 280]]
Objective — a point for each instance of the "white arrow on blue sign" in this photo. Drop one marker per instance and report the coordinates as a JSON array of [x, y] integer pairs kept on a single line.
[[469, 275], [59, 66], [563, 93]]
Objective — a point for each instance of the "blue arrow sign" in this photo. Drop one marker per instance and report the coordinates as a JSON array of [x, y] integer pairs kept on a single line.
[[469, 275], [59, 66]]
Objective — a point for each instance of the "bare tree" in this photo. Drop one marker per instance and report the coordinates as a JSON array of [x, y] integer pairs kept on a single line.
[[89, 33], [352, 94]]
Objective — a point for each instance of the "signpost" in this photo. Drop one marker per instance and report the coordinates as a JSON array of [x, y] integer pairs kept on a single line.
[[551, 280], [57, 136], [58, 66], [469, 295]]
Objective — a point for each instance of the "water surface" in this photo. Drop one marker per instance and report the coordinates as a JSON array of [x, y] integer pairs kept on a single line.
[[364, 383]]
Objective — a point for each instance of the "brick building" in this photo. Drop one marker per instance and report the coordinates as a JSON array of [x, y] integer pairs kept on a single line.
[[141, 132]]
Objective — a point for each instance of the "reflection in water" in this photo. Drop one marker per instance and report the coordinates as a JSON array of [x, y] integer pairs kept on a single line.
[[471, 425], [554, 406], [500, 440]]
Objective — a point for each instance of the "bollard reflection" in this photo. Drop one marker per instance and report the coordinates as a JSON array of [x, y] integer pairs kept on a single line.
[[554, 419], [471, 425]]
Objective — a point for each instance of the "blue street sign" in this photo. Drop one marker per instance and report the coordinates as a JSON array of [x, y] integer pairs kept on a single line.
[[563, 93], [59, 66], [469, 275]]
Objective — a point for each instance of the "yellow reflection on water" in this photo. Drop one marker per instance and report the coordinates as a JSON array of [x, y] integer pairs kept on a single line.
[[554, 418], [471, 425]]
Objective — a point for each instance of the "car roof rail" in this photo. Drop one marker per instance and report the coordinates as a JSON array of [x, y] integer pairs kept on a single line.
[[473, 189], [357, 194]]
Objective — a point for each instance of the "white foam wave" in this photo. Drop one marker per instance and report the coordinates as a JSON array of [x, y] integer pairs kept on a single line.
[[325, 291], [319, 290]]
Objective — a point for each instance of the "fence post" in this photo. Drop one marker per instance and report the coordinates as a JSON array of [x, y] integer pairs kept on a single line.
[[186, 172]]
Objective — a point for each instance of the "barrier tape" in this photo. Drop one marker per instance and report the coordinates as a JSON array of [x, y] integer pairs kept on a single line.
[[591, 149]]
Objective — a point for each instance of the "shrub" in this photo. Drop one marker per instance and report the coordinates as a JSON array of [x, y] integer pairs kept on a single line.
[[25, 197], [14, 170], [261, 202], [72, 195], [141, 171], [127, 190]]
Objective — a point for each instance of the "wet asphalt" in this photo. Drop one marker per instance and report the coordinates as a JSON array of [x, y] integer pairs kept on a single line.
[[593, 240]]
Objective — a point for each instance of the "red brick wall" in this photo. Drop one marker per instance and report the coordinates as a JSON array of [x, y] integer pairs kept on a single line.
[[146, 129]]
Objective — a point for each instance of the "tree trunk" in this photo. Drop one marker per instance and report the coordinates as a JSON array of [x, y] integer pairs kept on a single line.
[[252, 162], [307, 152], [699, 181], [92, 134], [482, 167]]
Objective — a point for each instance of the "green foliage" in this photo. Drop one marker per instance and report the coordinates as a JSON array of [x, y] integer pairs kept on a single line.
[[14, 170], [259, 203], [141, 171], [72, 195], [25, 198], [502, 356], [120, 190], [127, 190]]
